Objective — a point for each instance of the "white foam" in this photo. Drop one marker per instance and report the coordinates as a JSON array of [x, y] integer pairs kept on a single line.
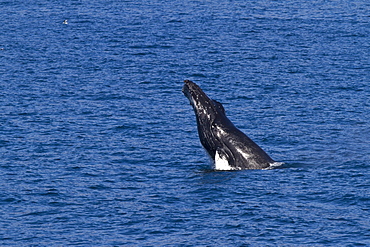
[[221, 163], [274, 165]]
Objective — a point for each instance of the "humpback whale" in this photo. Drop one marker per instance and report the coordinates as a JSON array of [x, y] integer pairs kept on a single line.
[[229, 147]]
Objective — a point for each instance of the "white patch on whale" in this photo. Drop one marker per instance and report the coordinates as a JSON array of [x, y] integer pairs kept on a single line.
[[221, 163], [244, 154]]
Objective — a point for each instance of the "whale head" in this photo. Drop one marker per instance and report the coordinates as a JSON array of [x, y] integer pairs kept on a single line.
[[207, 111], [203, 106]]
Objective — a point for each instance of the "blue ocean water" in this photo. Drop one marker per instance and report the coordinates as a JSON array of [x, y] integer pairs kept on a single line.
[[98, 146]]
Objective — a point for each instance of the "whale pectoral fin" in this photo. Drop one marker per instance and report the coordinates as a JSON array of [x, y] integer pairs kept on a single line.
[[221, 161]]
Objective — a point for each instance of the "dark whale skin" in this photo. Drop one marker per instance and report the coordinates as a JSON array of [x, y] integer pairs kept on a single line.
[[218, 135]]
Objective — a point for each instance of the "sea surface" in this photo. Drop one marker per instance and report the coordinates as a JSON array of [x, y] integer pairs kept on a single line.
[[99, 147]]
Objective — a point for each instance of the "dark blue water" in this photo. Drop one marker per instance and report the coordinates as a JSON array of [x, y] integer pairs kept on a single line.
[[98, 146]]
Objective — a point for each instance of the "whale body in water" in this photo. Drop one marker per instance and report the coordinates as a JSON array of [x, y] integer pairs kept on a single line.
[[229, 147]]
